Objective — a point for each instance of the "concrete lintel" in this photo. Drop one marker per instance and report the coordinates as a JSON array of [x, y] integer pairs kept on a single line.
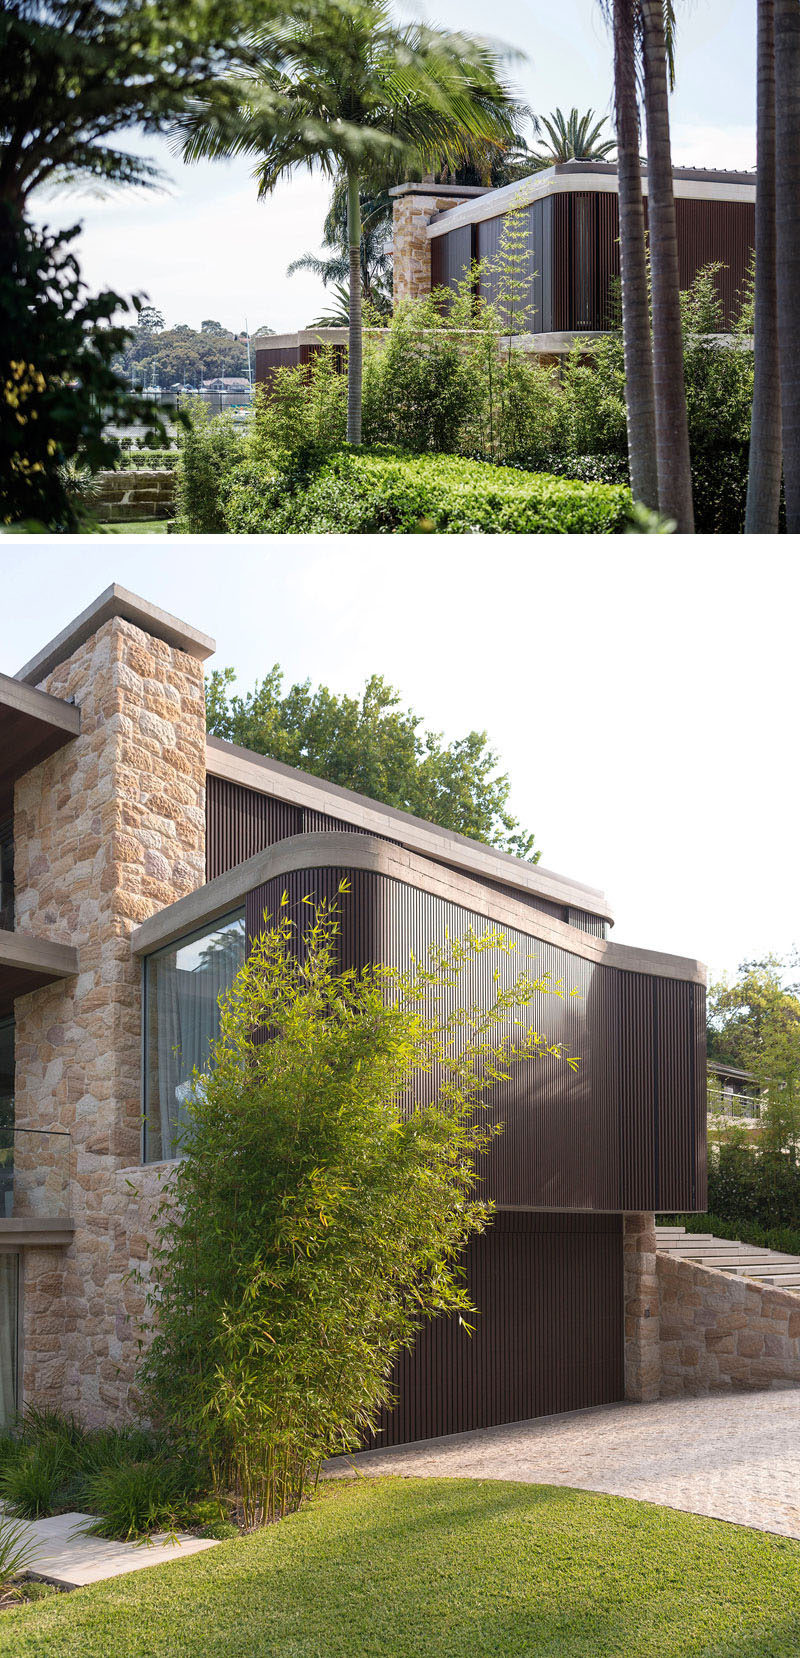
[[28, 954], [344, 850], [35, 1232], [420, 188], [116, 601]]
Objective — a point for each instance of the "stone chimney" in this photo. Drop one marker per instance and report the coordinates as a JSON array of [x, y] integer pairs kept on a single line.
[[414, 205]]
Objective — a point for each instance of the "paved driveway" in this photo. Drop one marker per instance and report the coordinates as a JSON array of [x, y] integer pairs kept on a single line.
[[734, 1457]]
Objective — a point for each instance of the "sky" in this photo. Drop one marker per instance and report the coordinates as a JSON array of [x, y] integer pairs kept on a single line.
[[205, 247], [644, 701]]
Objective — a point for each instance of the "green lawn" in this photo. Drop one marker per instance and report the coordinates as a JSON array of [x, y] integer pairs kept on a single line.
[[148, 526], [445, 1569]]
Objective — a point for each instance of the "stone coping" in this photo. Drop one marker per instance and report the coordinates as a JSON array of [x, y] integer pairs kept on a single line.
[[302, 788], [557, 344], [116, 601], [342, 849]]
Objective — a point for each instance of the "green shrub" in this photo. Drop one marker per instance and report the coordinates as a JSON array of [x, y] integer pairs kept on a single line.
[[134, 1498], [303, 417], [38, 1482], [759, 1186], [362, 493], [786, 1239], [16, 1551], [149, 460], [211, 450]]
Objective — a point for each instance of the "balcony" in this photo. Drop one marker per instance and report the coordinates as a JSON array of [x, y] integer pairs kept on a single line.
[[34, 1187], [735, 1107]]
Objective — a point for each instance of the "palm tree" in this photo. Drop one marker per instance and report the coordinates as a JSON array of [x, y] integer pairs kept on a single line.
[[787, 207], [341, 87], [764, 473], [572, 138], [376, 258], [637, 339], [672, 425]]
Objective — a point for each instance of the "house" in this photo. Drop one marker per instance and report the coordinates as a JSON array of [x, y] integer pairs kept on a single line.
[[733, 1092], [571, 217], [144, 858]]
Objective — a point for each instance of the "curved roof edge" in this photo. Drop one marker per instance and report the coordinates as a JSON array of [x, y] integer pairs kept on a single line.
[[341, 849], [302, 788]]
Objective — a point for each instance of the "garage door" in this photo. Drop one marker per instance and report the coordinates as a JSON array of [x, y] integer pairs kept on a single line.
[[549, 1336]]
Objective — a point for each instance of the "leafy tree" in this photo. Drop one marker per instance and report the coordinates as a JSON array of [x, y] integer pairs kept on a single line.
[[345, 89], [572, 138], [150, 320], [58, 349], [754, 1023], [212, 327], [74, 74], [314, 1222], [373, 745], [184, 355]]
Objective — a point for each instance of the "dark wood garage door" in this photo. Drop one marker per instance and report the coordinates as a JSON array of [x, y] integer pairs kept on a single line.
[[549, 1337]]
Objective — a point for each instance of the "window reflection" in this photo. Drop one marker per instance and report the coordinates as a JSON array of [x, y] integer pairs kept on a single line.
[[182, 985]]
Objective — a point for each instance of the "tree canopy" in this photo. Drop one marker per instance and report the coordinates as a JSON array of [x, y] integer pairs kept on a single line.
[[375, 746], [754, 1023]]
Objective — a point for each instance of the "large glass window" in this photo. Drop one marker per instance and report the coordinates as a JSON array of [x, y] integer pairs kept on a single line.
[[9, 1337], [182, 985], [6, 1117], [7, 873]]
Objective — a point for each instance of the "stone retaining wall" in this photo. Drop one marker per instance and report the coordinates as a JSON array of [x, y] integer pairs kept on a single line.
[[126, 497], [719, 1332]]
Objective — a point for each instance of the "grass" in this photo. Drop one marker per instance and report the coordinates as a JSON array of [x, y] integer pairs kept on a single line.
[[445, 1569], [148, 526]]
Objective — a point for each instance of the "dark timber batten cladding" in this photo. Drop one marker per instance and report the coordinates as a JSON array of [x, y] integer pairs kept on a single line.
[[612, 1136], [548, 1335], [572, 251], [241, 822]]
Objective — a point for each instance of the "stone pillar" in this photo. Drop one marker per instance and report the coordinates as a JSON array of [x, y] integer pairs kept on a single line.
[[107, 831], [642, 1322], [412, 210]]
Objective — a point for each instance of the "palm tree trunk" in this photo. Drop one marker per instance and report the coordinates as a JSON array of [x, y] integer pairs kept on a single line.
[[354, 350], [764, 472], [672, 426], [787, 207], [639, 393]]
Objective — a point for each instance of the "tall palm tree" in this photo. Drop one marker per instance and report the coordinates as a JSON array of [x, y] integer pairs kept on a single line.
[[787, 206], [376, 238], [572, 138], [764, 472], [672, 425], [637, 340], [341, 87]]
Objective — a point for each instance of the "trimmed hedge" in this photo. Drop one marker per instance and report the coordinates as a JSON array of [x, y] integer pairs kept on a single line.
[[786, 1239], [148, 460], [401, 494]]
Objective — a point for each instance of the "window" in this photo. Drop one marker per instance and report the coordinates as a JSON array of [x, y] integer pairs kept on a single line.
[[7, 873], [182, 985], [9, 1338], [6, 1117]]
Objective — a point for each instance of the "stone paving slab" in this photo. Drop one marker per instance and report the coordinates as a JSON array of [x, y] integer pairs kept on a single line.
[[65, 1555], [731, 1457]]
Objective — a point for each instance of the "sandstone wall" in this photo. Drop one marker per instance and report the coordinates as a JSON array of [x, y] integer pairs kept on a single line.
[[719, 1332], [130, 496], [640, 1288], [411, 215], [107, 831]]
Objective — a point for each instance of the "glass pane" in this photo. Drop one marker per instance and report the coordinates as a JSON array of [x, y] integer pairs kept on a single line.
[[182, 987], [9, 1325], [6, 1117]]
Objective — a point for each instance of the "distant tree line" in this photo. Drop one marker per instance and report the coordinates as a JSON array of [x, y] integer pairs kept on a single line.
[[159, 356]]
